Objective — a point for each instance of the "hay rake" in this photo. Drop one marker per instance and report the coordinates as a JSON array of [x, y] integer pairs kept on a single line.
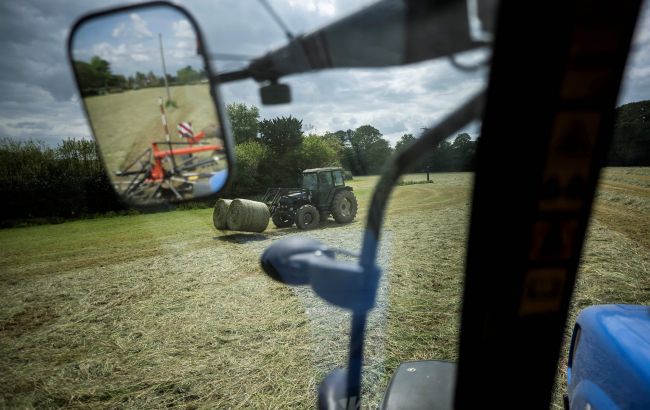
[[167, 169]]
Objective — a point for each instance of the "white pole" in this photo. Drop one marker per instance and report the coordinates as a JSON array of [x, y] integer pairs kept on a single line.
[[163, 118], [162, 58]]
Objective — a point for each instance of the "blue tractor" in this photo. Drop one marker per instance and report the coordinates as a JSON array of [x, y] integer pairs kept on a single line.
[[609, 359]]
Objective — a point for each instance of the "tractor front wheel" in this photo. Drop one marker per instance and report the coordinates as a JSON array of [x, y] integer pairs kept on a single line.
[[344, 206], [282, 221], [307, 217]]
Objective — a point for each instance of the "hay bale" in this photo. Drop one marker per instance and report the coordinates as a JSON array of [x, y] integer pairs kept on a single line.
[[220, 214], [250, 216]]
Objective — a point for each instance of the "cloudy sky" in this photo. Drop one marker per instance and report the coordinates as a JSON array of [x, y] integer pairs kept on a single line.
[[130, 41], [38, 98]]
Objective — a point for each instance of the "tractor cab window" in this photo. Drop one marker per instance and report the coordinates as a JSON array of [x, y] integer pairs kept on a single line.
[[325, 180], [309, 181], [338, 178]]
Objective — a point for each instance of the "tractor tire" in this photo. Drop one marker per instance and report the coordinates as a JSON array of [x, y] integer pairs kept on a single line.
[[344, 206], [282, 221], [307, 217]]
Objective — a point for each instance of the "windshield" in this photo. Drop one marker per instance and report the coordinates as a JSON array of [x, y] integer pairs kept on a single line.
[[309, 181], [109, 306]]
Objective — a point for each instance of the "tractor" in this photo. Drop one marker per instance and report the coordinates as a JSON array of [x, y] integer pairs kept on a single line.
[[323, 192]]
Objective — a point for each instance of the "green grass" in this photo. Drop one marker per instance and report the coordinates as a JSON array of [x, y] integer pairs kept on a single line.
[[162, 310]]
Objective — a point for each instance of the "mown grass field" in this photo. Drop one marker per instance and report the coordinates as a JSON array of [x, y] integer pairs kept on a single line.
[[128, 122], [162, 310]]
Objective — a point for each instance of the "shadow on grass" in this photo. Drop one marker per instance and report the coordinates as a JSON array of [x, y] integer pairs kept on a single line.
[[242, 237], [245, 237], [329, 224]]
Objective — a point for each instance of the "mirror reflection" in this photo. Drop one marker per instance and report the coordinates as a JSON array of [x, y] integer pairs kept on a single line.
[[145, 86]]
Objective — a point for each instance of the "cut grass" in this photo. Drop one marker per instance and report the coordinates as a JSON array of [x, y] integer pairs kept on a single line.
[[161, 310]]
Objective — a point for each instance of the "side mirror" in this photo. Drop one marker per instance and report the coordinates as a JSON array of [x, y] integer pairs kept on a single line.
[[145, 82], [302, 261]]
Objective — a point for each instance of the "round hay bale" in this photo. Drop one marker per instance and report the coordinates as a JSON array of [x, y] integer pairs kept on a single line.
[[220, 214], [250, 216]]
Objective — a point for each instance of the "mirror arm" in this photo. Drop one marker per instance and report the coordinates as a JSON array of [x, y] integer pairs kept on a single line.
[[231, 76], [394, 33]]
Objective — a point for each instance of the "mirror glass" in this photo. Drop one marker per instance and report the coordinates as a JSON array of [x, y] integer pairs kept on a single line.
[[144, 82]]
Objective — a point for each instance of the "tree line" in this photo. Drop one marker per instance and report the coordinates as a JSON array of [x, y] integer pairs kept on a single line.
[[96, 77], [44, 184], [273, 152]]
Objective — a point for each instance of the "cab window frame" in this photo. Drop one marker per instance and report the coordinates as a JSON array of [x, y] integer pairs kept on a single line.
[[338, 178]]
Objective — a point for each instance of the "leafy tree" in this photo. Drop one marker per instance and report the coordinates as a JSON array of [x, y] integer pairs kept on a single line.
[[281, 133], [101, 68], [152, 80], [367, 151], [334, 142], [117, 81], [631, 143], [342, 136], [464, 149], [94, 75], [140, 79], [424, 164], [188, 75], [442, 157], [244, 121], [316, 151], [250, 155], [463, 143], [404, 142], [88, 78]]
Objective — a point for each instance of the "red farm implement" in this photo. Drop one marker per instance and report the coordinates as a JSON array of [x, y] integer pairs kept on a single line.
[[175, 169]]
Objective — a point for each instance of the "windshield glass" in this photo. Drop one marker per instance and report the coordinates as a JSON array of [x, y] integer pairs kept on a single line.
[[309, 181], [109, 306]]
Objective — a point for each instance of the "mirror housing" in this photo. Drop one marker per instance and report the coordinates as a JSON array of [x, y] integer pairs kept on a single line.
[[302, 261], [146, 85], [275, 93]]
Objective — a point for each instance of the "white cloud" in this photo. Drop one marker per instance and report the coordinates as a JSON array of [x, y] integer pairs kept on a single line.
[[140, 58], [183, 29], [119, 30], [396, 100], [140, 26], [116, 55], [183, 50], [638, 72], [325, 8], [122, 57], [48, 119]]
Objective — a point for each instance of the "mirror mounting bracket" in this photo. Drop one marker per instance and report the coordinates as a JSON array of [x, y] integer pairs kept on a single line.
[[274, 93]]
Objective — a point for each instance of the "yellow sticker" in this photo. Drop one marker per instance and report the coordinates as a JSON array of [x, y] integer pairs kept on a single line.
[[553, 240], [569, 160], [543, 291]]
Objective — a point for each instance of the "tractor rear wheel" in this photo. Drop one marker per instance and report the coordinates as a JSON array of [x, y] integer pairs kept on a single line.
[[344, 206], [282, 221], [307, 217]]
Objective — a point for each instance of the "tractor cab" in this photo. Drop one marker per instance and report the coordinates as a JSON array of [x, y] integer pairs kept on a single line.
[[323, 184]]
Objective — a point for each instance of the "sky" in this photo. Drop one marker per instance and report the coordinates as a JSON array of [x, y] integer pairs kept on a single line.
[[130, 42], [38, 98]]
